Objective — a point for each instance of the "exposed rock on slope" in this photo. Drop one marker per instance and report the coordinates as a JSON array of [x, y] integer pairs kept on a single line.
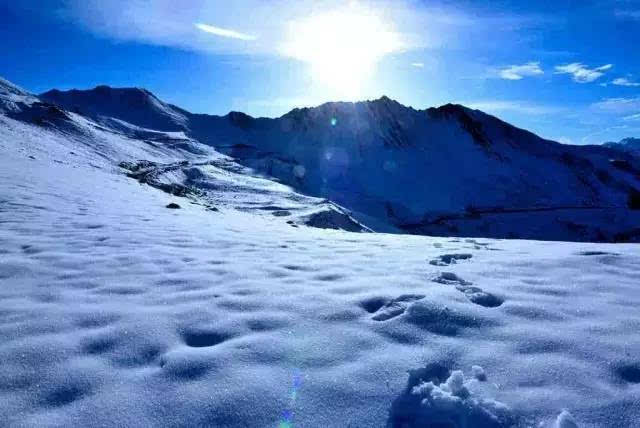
[[446, 171], [164, 157]]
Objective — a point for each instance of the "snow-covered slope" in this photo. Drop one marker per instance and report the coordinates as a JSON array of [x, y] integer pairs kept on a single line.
[[444, 171], [170, 161], [117, 311], [134, 105], [13, 97]]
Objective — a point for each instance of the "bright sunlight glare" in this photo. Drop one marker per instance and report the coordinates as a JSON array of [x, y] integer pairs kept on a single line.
[[342, 47]]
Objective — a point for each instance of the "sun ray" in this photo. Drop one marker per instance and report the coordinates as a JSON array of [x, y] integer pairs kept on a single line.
[[342, 47]]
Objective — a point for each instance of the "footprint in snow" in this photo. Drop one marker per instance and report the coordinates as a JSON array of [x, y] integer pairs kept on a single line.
[[596, 253], [204, 338], [628, 372], [475, 294], [385, 310], [449, 259]]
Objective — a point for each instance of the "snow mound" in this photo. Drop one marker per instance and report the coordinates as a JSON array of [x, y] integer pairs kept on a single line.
[[445, 400], [478, 373], [565, 420]]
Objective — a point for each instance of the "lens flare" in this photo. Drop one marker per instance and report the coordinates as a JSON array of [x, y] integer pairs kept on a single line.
[[287, 416]]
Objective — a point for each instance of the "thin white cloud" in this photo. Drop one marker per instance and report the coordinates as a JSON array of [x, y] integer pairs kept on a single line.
[[564, 140], [417, 24], [618, 105], [523, 107], [628, 14], [273, 107], [632, 118], [191, 26], [605, 134], [581, 73], [623, 81], [417, 64], [222, 32], [518, 72]]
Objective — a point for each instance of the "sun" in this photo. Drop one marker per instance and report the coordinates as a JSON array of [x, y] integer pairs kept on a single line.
[[342, 47]]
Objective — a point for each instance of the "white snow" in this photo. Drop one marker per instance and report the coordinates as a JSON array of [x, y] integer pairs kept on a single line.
[[451, 404], [12, 96], [116, 311], [479, 373], [565, 420]]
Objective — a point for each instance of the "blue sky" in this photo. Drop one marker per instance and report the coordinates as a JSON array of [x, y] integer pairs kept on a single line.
[[567, 70]]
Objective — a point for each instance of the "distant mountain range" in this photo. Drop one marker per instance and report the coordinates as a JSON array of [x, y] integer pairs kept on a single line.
[[630, 145], [449, 170], [446, 170]]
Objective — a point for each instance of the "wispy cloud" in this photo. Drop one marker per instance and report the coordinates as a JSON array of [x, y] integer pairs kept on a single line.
[[582, 73], [222, 32], [417, 64], [518, 72], [632, 118], [564, 140], [524, 107], [419, 25], [611, 133], [274, 106], [618, 105], [628, 14], [623, 81], [264, 23]]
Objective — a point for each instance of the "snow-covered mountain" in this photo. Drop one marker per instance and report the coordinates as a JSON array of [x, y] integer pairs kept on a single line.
[[444, 171], [631, 145], [117, 308], [133, 105], [168, 159]]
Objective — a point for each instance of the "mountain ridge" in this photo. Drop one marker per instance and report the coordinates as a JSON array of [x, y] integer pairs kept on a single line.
[[461, 111], [629, 145], [54, 92], [432, 171], [54, 95], [242, 119]]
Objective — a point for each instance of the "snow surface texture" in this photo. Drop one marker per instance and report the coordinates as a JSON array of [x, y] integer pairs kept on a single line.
[[117, 311], [448, 171]]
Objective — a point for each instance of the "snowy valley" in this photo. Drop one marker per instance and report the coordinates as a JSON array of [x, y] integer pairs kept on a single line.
[[162, 268]]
